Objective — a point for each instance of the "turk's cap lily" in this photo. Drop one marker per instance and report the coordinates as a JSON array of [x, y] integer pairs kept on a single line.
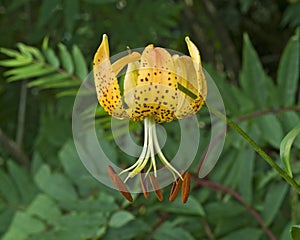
[[156, 83], [157, 87]]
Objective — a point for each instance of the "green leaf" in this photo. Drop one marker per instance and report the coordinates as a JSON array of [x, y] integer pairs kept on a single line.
[[168, 231], [75, 169], [285, 234], [22, 226], [104, 203], [8, 189], [271, 129], [274, 198], [130, 231], [51, 57], [80, 65], [11, 53], [66, 59], [6, 216], [77, 226], [253, 79], [245, 234], [19, 61], [289, 120], [220, 210], [100, 1], [288, 71], [67, 83], [29, 71], [246, 174], [291, 15], [24, 183], [295, 232], [120, 219], [233, 177], [285, 148], [70, 92], [48, 79], [44, 208], [191, 207], [56, 185], [31, 51], [230, 225]]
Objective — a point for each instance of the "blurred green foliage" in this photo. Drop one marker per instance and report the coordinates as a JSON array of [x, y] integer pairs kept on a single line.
[[250, 48]]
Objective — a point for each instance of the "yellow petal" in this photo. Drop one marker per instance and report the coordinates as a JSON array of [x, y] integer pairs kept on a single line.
[[107, 87], [191, 82], [118, 65], [200, 83], [182, 65], [194, 53], [156, 91], [130, 82]]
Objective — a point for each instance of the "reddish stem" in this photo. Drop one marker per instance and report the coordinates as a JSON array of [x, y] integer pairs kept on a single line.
[[224, 189]]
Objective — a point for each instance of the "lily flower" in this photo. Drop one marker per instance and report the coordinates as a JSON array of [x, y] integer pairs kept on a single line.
[[158, 87]]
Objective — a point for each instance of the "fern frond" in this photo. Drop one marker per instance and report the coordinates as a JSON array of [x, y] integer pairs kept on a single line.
[[63, 70]]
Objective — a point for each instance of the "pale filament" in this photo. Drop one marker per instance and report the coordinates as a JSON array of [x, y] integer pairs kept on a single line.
[[151, 145]]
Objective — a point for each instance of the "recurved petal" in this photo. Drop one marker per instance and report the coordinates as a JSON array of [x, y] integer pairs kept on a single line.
[[107, 87], [192, 83], [102, 52], [195, 55], [188, 86], [118, 65]]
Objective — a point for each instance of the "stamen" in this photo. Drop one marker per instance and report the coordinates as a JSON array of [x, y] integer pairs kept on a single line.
[[140, 167], [163, 159], [152, 129], [144, 184], [150, 146], [156, 187], [119, 184], [185, 187], [144, 151], [175, 189]]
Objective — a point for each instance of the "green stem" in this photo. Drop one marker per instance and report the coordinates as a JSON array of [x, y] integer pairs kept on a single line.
[[257, 148]]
